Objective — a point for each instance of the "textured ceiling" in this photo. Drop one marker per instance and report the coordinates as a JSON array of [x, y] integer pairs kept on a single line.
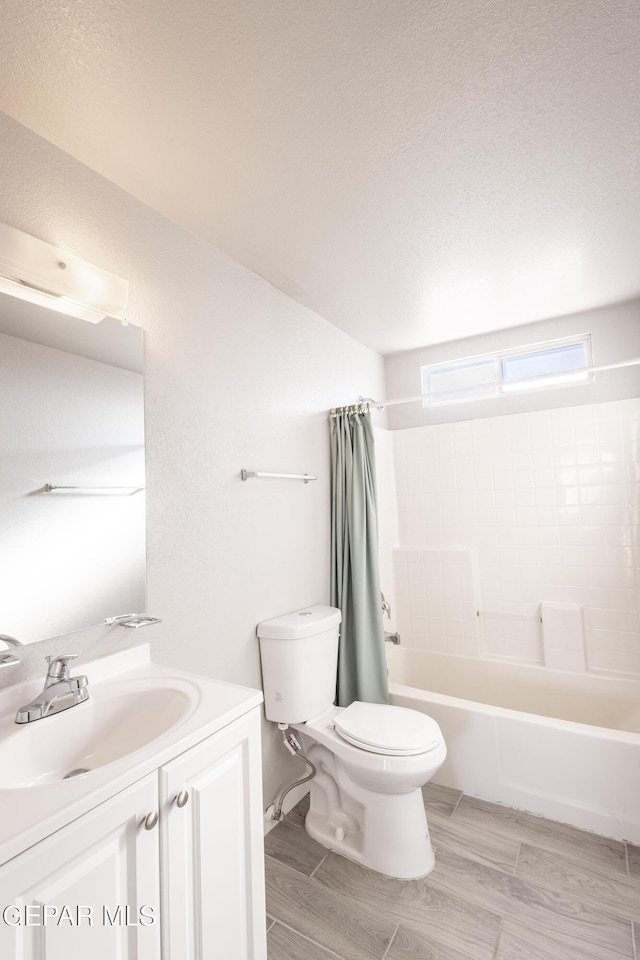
[[413, 170]]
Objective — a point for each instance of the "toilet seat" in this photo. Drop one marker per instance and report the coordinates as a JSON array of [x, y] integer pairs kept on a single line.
[[385, 729]]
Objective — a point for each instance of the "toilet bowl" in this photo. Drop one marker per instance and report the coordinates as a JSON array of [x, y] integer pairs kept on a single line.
[[371, 759], [367, 804]]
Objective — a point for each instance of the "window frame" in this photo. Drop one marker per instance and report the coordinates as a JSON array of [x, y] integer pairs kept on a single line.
[[500, 387]]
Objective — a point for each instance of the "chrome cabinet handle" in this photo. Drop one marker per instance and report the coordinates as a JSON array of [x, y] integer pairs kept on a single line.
[[181, 798], [150, 820]]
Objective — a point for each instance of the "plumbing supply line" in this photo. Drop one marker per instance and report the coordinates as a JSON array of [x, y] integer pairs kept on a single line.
[[293, 747]]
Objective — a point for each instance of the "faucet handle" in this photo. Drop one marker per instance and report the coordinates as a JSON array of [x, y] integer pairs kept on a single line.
[[386, 606], [59, 666]]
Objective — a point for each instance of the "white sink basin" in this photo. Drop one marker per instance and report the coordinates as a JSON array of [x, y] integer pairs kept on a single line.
[[139, 716], [119, 718]]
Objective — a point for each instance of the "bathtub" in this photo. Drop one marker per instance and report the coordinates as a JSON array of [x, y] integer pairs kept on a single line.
[[561, 745]]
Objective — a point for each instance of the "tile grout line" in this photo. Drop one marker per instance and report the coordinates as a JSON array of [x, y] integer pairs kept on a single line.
[[588, 901], [626, 858], [318, 865], [302, 936], [451, 815], [515, 866], [495, 950], [547, 844], [390, 944]]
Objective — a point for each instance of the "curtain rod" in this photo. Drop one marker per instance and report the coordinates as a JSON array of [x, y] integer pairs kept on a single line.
[[367, 402]]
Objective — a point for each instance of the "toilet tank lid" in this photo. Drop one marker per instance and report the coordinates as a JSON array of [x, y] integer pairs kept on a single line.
[[301, 623]]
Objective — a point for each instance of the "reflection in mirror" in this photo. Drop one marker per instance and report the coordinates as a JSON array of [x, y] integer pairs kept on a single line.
[[71, 416]]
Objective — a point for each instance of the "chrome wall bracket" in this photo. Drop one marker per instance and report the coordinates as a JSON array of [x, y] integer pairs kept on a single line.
[[8, 659], [132, 620]]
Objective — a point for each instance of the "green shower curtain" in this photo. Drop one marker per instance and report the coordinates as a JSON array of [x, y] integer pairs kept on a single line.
[[355, 577]]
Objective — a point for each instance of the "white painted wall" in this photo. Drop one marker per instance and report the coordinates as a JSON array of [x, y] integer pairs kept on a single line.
[[236, 375], [615, 335], [68, 559]]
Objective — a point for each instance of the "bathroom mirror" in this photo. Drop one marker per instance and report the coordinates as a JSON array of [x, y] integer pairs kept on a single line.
[[72, 511]]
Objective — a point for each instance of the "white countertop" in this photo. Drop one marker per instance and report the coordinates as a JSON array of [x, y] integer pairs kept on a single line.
[[29, 814]]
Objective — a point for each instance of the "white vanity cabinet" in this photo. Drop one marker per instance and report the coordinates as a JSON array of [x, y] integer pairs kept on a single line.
[[195, 867], [103, 860], [212, 848]]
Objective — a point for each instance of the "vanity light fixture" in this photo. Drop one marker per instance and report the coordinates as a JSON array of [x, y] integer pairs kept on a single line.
[[40, 273]]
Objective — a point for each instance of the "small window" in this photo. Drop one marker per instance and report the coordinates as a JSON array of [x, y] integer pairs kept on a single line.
[[544, 367], [541, 366], [463, 375]]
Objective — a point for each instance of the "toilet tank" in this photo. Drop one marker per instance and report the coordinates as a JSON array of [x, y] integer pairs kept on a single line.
[[299, 654]]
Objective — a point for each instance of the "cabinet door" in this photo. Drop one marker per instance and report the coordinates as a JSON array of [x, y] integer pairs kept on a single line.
[[212, 848], [104, 860]]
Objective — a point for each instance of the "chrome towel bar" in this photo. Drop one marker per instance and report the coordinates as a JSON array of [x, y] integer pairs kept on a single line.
[[92, 488], [248, 474]]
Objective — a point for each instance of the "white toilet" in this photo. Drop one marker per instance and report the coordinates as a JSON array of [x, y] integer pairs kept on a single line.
[[371, 759]]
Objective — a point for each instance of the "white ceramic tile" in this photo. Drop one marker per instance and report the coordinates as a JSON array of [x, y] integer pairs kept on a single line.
[[523, 479], [563, 435], [588, 453], [417, 607], [620, 556], [544, 476], [617, 514], [401, 587], [615, 473], [618, 493], [612, 661], [551, 500], [420, 641], [621, 534], [611, 451], [416, 588], [419, 625], [570, 536], [565, 660], [565, 476], [452, 590]]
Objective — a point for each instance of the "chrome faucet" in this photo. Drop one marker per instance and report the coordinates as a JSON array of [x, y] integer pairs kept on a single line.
[[60, 691]]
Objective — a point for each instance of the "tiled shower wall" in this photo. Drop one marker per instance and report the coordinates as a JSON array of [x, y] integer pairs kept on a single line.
[[499, 515]]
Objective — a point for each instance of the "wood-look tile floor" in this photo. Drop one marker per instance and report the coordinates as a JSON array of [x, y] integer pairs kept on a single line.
[[506, 886]]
